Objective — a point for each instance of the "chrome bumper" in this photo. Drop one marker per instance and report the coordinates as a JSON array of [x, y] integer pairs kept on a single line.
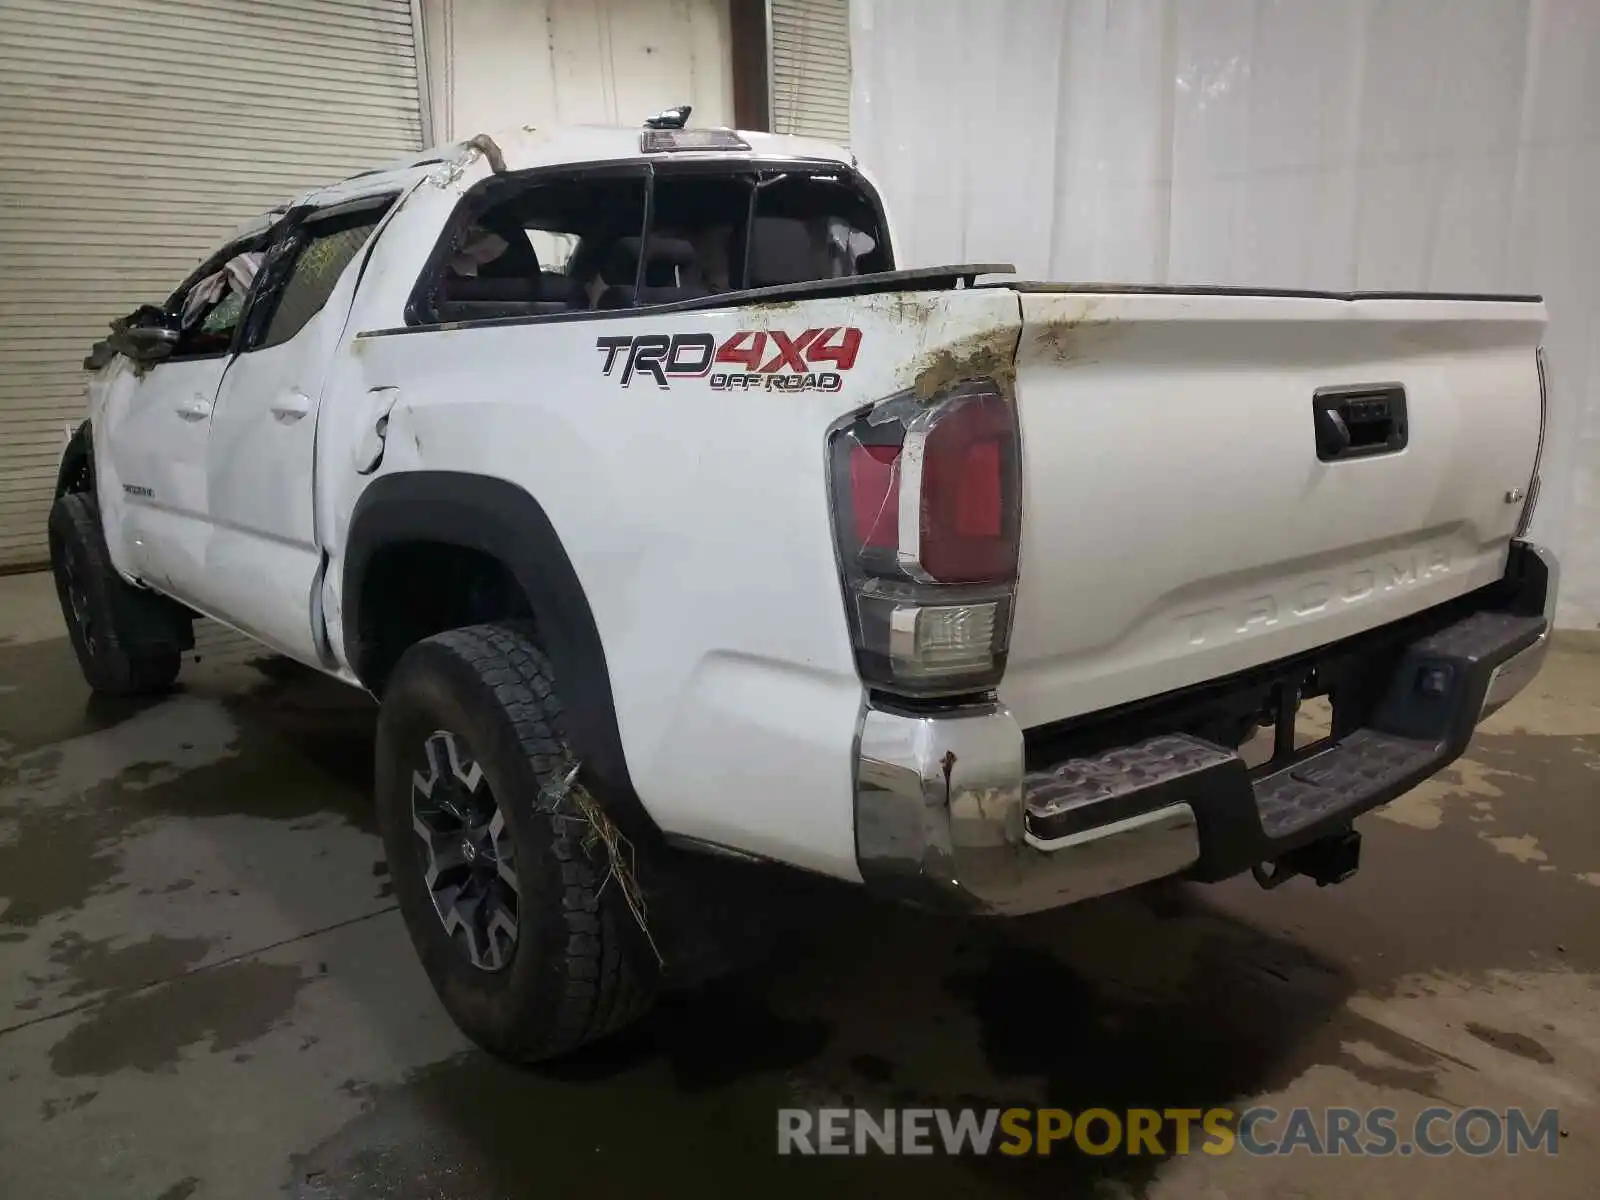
[[1518, 671], [946, 810], [939, 816]]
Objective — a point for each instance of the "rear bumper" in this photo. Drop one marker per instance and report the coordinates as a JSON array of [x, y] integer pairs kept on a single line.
[[1516, 672], [947, 815]]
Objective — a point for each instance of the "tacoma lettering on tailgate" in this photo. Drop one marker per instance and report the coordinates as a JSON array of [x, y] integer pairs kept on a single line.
[[1313, 598]]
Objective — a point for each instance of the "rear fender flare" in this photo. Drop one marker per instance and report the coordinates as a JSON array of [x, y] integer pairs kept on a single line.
[[500, 519]]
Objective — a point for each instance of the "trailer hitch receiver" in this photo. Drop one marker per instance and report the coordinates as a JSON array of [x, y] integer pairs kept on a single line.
[[1328, 860]]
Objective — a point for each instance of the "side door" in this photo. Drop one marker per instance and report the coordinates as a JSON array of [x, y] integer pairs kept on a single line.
[[158, 422], [264, 556]]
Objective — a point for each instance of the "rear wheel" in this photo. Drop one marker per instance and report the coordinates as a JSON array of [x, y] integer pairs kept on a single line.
[[530, 947], [126, 642]]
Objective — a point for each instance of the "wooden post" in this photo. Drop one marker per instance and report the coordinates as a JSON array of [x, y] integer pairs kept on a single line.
[[747, 20]]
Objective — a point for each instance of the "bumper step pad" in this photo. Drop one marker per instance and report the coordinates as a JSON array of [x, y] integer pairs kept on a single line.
[[1085, 793], [1364, 763], [1422, 723]]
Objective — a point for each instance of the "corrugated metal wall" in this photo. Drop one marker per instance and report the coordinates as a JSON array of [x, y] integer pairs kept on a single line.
[[810, 67], [133, 137]]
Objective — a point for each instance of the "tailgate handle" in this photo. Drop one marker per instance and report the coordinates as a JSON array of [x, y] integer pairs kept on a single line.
[[1359, 420]]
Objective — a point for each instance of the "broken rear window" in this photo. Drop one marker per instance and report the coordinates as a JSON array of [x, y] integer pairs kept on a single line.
[[548, 245]]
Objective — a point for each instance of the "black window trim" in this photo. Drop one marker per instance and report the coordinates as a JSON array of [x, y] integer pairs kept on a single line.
[[419, 313], [288, 241], [420, 305], [263, 240]]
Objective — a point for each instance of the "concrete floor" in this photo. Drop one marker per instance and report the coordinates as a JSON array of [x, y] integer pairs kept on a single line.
[[205, 990]]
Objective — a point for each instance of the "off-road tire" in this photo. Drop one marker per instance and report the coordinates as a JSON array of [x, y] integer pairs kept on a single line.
[[580, 967], [126, 642]]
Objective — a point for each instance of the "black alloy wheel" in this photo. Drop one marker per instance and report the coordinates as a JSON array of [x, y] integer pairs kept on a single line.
[[468, 859]]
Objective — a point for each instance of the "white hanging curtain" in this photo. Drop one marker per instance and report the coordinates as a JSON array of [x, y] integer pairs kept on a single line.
[[1337, 144]]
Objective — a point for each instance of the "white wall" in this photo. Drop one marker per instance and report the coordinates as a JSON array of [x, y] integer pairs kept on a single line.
[[1332, 144], [493, 64]]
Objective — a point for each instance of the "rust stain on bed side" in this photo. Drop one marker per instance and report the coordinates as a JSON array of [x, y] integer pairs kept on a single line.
[[769, 309], [914, 310], [988, 355], [1062, 339]]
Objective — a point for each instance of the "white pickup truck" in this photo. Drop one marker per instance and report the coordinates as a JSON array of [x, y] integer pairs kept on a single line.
[[663, 514]]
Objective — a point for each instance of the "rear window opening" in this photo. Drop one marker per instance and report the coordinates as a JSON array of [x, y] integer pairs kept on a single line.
[[552, 246]]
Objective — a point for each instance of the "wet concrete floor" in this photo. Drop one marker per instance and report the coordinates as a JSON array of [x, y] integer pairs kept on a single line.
[[205, 990]]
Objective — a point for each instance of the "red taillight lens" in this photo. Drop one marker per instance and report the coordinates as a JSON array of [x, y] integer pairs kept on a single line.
[[927, 507], [875, 495], [965, 461]]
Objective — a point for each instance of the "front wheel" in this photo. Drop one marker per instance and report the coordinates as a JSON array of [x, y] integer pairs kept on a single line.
[[109, 622], [510, 900]]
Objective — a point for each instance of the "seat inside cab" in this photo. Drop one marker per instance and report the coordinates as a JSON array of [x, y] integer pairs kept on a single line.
[[544, 247]]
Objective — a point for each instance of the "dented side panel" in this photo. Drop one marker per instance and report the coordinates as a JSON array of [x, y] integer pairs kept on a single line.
[[680, 458]]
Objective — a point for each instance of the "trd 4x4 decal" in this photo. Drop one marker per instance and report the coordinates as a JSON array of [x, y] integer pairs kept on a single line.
[[771, 360]]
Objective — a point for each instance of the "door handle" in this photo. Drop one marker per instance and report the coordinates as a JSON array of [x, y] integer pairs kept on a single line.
[[195, 408], [291, 406]]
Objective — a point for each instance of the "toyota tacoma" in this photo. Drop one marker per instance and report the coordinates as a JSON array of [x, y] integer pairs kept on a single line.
[[666, 516]]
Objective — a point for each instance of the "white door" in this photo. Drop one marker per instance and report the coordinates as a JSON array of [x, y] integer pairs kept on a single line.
[[263, 555], [496, 64], [158, 420], [158, 427]]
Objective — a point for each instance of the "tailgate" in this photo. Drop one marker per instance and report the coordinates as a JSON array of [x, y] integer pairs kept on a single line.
[[1178, 522]]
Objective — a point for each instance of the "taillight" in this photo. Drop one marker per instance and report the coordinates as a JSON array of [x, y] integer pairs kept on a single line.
[[927, 511], [875, 495], [1528, 505]]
